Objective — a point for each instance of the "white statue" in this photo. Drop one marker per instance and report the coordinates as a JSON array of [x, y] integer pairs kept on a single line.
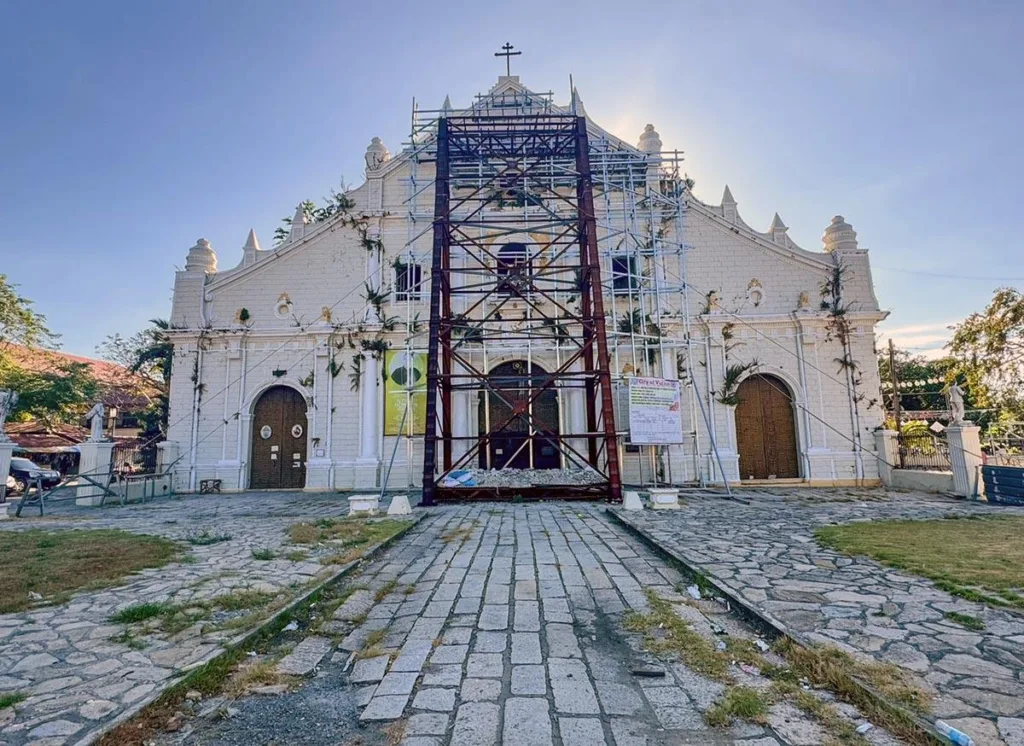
[[956, 403], [96, 418], [8, 399]]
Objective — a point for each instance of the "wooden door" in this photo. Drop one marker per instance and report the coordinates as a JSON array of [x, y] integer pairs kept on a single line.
[[279, 440], [766, 430], [509, 447]]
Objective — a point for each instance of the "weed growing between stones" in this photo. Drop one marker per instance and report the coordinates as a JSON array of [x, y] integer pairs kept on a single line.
[[263, 554], [352, 536], [9, 699], [385, 590], [141, 612], [205, 538], [965, 620], [257, 673], [666, 633], [740, 703], [832, 669]]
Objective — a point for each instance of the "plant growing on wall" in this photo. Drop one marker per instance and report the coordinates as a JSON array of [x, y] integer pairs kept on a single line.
[[356, 376], [727, 394], [839, 327]]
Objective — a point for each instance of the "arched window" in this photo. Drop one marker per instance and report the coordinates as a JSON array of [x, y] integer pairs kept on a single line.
[[514, 269]]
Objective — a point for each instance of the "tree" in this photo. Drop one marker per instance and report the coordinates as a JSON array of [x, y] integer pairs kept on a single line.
[[61, 394], [150, 353], [988, 350], [19, 323]]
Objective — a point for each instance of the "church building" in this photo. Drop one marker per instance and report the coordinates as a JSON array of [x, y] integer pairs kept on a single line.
[[303, 365]]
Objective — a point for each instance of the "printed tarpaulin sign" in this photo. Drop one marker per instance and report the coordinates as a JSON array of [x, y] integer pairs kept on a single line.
[[655, 412], [406, 381]]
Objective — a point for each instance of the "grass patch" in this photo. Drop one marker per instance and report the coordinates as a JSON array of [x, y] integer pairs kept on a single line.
[[978, 559], [56, 564], [842, 729], [739, 703], [263, 554], [296, 556], [351, 535], [141, 612], [248, 676], [965, 620], [205, 538], [666, 633], [9, 699]]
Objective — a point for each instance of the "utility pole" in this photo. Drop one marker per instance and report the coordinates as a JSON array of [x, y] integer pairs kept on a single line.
[[895, 385]]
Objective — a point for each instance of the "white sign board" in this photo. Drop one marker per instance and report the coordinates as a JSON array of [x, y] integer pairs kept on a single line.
[[655, 413]]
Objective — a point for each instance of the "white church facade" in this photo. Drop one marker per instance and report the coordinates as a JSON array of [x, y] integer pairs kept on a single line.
[[301, 367]]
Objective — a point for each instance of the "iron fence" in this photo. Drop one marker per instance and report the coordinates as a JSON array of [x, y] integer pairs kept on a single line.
[[925, 450], [1004, 444], [134, 458]]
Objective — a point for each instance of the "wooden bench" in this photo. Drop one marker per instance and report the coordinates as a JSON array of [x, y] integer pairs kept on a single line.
[[206, 486]]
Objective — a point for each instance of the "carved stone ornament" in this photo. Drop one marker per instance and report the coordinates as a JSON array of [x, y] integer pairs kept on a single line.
[[376, 155]]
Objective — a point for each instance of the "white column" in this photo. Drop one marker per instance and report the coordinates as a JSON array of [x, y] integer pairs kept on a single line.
[[460, 417], [368, 461], [6, 451], [965, 457], [95, 461], [885, 448], [578, 412]]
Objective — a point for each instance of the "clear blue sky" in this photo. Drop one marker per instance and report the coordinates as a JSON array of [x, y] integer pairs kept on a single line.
[[130, 129]]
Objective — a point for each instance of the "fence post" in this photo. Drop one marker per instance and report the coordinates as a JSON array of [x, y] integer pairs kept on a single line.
[[964, 457], [96, 463], [885, 448]]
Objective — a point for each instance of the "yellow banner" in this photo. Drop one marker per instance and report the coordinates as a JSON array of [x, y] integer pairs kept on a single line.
[[406, 380]]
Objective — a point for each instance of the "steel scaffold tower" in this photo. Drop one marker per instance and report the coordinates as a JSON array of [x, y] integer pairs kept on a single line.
[[483, 162]]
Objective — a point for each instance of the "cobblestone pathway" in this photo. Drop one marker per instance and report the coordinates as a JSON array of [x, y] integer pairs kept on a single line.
[[68, 659], [765, 552], [500, 624]]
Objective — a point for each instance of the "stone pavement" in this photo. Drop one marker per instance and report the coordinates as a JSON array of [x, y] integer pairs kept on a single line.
[[765, 553], [501, 623], [77, 668]]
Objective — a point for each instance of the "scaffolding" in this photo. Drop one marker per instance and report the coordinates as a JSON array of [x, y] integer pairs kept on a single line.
[[543, 230]]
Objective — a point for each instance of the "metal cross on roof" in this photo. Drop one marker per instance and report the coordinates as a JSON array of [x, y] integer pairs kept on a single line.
[[507, 54]]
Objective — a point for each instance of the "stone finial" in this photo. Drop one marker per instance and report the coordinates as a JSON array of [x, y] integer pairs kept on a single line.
[[201, 258], [650, 141], [839, 236], [298, 229], [729, 211], [778, 230], [377, 153], [252, 246]]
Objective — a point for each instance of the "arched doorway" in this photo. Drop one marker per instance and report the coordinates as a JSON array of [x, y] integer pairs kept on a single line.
[[766, 429], [278, 458], [510, 447]]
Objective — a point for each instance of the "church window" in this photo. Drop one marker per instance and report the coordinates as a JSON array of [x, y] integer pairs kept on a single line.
[[514, 268], [408, 281], [624, 274]]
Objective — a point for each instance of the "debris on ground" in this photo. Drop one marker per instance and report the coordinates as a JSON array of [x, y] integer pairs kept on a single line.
[[694, 592]]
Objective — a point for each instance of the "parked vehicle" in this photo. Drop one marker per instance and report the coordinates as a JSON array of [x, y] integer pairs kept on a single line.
[[25, 473]]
